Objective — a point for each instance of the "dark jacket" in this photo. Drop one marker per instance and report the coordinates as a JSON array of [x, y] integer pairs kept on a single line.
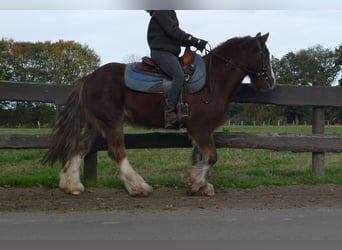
[[164, 32]]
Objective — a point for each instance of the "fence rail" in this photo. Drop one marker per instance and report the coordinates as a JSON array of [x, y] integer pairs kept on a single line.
[[272, 141], [291, 95]]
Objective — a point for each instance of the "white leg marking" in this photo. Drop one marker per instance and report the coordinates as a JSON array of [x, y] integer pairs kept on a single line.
[[197, 176], [203, 175], [197, 180], [70, 176], [134, 183]]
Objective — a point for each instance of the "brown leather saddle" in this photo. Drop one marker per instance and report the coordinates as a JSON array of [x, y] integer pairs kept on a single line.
[[150, 67]]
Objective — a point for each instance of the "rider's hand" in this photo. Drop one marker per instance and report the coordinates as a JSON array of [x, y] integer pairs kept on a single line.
[[201, 45], [196, 42]]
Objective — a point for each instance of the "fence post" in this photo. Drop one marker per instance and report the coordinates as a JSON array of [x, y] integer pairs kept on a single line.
[[90, 167], [318, 117]]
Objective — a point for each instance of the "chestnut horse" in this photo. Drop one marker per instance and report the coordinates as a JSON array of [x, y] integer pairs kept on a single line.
[[100, 102]]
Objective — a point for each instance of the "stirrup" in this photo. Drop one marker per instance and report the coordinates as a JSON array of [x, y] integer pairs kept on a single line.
[[182, 113], [170, 120], [184, 110]]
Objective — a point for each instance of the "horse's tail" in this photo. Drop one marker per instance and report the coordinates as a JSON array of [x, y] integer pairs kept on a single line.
[[63, 141]]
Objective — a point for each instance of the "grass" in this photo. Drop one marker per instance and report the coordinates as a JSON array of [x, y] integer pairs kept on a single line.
[[23, 168], [164, 167]]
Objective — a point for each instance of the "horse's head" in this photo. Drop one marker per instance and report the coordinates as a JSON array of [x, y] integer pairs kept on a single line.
[[259, 68], [250, 56]]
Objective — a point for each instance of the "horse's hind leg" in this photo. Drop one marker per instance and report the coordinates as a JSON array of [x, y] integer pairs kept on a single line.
[[69, 177], [203, 157], [134, 183]]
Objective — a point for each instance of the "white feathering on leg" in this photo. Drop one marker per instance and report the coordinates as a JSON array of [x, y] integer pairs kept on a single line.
[[70, 176], [134, 183]]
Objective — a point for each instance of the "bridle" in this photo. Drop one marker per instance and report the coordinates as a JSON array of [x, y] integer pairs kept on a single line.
[[261, 71]]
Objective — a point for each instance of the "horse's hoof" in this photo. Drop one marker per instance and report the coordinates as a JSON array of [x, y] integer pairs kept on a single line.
[[75, 192], [144, 191], [140, 195], [207, 190], [72, 192]]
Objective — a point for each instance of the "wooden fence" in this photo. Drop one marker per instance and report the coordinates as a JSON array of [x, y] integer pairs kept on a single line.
[[318, 143]]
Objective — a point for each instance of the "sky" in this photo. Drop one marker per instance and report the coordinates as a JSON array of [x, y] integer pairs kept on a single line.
[[115, 34]]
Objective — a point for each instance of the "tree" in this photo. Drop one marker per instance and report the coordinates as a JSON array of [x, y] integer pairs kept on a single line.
[[302, 68], [68, 61], [306, 66], [4, 66], [338, 61], [61, 62]]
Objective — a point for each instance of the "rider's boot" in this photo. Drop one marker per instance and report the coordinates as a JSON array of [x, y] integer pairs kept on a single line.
[[170, 117]]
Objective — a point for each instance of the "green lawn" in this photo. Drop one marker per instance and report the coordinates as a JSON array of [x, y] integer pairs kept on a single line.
[[235, 167]]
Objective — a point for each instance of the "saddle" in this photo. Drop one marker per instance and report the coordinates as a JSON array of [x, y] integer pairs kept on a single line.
[[147, 77], [150, 67]]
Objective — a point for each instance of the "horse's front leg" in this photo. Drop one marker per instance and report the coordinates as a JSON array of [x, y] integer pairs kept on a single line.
[[204, 156]]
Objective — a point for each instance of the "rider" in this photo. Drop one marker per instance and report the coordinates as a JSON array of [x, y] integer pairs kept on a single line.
[[165, 39]]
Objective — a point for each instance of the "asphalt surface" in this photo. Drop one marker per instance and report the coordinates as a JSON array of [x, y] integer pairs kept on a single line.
[[285, 224]]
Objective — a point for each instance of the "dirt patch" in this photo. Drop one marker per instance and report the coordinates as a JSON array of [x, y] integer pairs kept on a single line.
[[107, 199]]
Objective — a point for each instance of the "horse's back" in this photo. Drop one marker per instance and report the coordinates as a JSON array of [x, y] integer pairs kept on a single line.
[[104, 78], [108, 72]]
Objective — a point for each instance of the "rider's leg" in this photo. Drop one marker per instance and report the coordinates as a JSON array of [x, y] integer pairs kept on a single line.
[[170, 64]]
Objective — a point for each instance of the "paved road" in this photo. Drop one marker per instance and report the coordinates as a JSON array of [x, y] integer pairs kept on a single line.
[[181, 224]]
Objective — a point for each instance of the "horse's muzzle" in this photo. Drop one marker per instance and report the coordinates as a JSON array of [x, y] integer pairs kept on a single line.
[[270, 81]]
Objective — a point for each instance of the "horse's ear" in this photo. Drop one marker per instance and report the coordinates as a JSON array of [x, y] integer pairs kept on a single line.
[[265, 37], [258, 35]]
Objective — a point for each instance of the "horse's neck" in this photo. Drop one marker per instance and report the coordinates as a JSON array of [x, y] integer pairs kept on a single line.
[[224, 78]]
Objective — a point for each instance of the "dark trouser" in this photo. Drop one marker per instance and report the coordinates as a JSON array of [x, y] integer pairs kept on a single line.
[[170, 64]]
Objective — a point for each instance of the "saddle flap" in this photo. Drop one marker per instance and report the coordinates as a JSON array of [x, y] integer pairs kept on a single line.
[[149, 61]]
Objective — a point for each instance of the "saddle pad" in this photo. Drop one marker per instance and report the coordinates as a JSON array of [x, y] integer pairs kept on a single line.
[[155, 84]]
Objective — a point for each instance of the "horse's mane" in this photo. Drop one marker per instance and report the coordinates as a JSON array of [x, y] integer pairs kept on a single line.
[[234, 42]]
